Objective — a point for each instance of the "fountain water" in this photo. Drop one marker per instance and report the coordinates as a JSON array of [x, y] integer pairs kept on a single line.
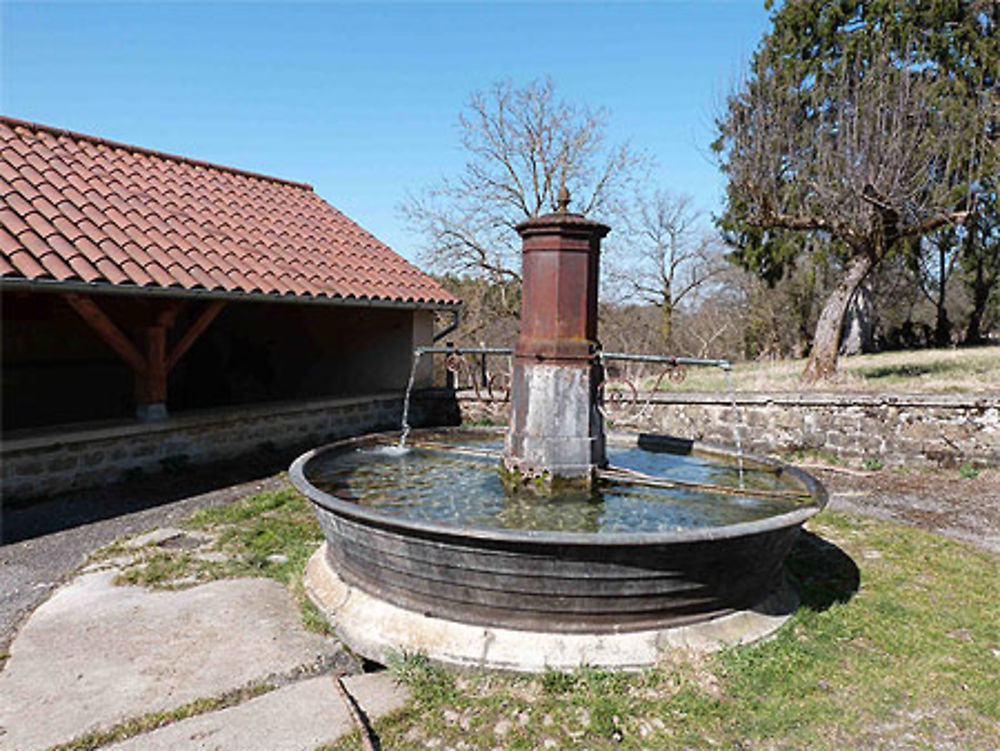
[[404, 432], [584, 547]]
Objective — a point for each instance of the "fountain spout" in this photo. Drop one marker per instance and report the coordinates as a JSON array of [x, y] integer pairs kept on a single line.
[[555, 438]]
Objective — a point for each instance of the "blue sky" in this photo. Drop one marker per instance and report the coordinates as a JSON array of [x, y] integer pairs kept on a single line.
[[361, 99]]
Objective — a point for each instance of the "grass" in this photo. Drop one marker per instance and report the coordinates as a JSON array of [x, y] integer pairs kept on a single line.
[[269, 534], [803, 455], [968, 472], [918, 371], [896, 645]]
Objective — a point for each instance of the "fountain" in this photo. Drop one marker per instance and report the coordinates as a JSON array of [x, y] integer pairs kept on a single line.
[[568, 545]]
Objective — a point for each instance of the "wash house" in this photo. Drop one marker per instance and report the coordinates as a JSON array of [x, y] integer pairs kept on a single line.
[[158, 308]]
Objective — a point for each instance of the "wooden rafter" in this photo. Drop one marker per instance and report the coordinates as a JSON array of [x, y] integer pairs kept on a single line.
[[197, 328], [113, 336]]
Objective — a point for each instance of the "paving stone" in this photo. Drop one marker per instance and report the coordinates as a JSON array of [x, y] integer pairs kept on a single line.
[[301, 716], [96, 654], [155, 537]]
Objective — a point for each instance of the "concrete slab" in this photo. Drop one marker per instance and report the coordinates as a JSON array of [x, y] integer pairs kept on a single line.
[[96, 654], [155, 537], [297, 717], [376, 629]]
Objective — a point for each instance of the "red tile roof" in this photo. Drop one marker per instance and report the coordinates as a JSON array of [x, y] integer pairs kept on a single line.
[[80, 209]]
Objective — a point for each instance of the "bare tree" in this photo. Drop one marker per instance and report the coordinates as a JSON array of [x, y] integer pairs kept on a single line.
[[860, 150], [670, 256], [522, 144]]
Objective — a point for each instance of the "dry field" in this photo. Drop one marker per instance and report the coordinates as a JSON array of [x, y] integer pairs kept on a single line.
[[967, 370]]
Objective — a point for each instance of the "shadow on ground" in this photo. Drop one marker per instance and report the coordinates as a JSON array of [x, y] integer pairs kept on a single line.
[[909, 370], [823, 573], [31, 519]]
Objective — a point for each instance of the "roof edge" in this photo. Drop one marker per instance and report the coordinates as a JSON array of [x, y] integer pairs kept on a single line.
[[106, 288], [15, 122]]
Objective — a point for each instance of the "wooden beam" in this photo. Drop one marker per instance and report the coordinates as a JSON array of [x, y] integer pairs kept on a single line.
[[151, 386], [168, 315], [197, 328], [107, 330]]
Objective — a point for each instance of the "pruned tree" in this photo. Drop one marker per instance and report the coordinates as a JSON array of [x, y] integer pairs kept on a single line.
[[522, 145], [671, 256], [851, 125]]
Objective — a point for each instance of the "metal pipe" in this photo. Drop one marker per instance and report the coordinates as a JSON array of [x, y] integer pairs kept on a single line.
[[666, 359], [456, 318], [463, 351]]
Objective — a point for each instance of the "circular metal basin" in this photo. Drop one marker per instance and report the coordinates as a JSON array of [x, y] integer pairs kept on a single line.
[[569, 582]]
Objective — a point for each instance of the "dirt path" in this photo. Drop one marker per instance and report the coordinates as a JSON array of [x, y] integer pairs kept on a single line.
[[940, 501]]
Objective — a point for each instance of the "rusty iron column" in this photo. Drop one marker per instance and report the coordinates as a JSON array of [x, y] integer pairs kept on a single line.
[[556, 433]]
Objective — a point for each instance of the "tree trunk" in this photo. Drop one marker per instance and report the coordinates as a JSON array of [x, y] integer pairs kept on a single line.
[[981, 289], [666, 328], [942, 326], [974, 332], [823, 358], [857, 337]]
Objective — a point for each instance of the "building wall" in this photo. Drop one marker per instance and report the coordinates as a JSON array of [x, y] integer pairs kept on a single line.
[[895, 429], [56, 370], [257, 352]]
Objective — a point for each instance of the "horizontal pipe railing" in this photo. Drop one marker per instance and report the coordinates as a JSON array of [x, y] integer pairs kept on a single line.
[[667, 359], [463, 351], [662, 359]]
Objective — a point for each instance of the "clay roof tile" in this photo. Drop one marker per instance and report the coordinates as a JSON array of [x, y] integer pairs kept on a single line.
[[11, 222], [24, 262], [8, 243], [84, 269]]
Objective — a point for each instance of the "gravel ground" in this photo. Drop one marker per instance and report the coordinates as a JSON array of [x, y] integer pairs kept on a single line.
[[47, 542]]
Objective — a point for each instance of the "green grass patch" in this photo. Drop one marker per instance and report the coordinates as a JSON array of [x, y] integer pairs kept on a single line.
[[968, 472], [896, 645], [799, 456], [268, 534]]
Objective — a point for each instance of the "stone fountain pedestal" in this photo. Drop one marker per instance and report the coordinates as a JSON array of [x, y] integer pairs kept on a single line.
[[556, 435]]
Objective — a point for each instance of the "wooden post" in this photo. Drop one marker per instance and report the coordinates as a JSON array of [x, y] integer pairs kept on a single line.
[[151, 365], [151, 385]]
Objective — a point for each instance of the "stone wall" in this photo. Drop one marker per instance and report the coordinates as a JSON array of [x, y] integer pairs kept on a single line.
[[899, 429], [45, 462]]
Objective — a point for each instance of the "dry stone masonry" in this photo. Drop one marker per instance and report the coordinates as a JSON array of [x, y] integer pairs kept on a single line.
[[895, 429]]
